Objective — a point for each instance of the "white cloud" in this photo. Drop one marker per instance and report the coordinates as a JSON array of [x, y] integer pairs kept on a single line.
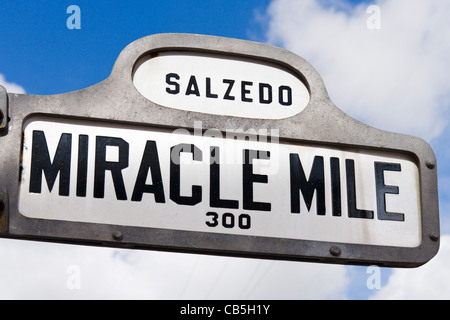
[[428, 282], [45, 271], [394, 78], [42, 271], [10, 87]]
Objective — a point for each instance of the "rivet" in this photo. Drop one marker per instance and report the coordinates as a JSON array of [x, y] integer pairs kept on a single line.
[[117, 235], [335, 251], [431, 164], [434, 236]]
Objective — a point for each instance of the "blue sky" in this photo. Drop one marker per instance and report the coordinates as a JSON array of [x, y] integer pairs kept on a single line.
[[41, 55], [45, 57]]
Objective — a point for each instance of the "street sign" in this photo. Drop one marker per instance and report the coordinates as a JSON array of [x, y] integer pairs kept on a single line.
[[218, 146]]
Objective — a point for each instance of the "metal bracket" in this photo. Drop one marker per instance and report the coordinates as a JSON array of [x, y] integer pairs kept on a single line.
[[3, 109]]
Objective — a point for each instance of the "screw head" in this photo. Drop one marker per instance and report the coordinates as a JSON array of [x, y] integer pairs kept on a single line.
[[434, 236], [431, 164], [335, 251], [117, 235]]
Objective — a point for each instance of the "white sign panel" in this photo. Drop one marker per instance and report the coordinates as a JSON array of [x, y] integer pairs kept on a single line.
[[221, 85], [217, 183]]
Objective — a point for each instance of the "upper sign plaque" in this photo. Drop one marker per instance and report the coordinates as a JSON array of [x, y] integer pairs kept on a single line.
[[221, 85]]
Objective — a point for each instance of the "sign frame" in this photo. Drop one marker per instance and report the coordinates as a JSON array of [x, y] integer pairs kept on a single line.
[[116, 100]]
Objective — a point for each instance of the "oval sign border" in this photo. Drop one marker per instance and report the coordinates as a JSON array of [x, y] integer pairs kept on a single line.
[[162, 78]]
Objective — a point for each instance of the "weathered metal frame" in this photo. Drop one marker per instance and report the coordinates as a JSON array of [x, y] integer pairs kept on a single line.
[[117, 100]]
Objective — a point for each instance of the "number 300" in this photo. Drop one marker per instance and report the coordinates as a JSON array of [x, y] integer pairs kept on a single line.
[[229, 220]]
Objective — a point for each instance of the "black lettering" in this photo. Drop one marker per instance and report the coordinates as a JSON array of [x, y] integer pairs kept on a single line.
[[227, 95], [336, 187], [150, 160], [192, 87], [383, 189], [249, 178], [282, 91], [315, 184], [40, 162], [228, 220], [175, 176], [169, 81], [83, 147], [214, 221], [268, 88], [208, 90], [353, 212], [245, 92], [102, 165], [244, 221], [214, 190]]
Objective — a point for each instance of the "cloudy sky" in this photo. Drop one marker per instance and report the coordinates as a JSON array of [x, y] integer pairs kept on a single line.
[[384, 62]]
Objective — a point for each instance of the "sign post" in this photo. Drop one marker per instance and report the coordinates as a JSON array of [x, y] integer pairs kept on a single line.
[[218, 146]]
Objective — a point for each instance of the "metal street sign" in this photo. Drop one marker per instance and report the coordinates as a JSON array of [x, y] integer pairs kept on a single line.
[[218, 146]]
